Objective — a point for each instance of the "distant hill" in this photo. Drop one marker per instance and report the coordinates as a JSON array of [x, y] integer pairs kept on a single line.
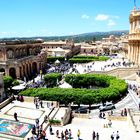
[[76, 38]]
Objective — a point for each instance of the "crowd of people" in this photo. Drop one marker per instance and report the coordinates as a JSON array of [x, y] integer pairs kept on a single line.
[[37, 132]]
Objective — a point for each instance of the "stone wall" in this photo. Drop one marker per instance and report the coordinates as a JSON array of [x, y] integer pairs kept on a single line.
[[66, 117], [122, 73]]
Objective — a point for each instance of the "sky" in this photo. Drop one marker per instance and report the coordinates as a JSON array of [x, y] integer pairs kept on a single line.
[[29, 18]]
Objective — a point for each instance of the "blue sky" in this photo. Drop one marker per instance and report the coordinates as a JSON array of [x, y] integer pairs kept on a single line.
[[26, 18]]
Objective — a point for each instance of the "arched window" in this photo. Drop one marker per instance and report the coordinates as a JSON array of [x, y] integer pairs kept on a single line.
[[10, 54]]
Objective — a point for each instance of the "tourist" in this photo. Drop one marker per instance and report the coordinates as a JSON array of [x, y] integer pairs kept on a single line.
[[57, 133], [50, 129], [66, 134], [41, 103], [78, 134], [36, 104], [93, 135], [45, 119], [62, 135], [111, 112], [69, 134], [122, 114], [117, 135], [109, 123], [103, 115], [15, 116], [43, 135], [125, 112], [112, 136], [97, 136], [34, 130]]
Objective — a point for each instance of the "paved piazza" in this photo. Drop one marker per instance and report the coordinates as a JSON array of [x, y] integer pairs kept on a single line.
[[25, 112], [87, 126]]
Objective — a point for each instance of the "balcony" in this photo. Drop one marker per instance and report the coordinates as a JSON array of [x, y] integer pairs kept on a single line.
[[134, 36]]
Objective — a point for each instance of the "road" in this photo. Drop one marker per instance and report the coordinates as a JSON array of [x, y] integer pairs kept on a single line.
[[126, 102]]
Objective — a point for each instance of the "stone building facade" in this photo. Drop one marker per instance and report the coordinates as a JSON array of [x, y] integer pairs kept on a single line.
[[65, 48], [134, 37], [89, 49], [21, 59]]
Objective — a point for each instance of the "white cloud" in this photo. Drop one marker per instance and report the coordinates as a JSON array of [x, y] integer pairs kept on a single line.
[[115, 17], [102, 17], [84, 16], [111, 23]]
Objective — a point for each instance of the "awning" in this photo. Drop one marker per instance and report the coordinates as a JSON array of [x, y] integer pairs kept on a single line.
[[19, 87], [65, 85]]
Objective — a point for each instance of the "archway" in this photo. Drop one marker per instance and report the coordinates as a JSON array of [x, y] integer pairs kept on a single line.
[[2, 70], [12, 72]]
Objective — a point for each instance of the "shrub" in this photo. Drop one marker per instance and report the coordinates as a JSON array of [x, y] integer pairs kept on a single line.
[[52, 79], [86, 59], [112, 90], [54, 121]]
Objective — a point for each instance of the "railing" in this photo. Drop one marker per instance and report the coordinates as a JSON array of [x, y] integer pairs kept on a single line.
[[134, 36]]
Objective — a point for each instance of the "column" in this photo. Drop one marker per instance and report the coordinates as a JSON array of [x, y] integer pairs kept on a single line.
[[129, 50], [38, 67], [25, 70], [7, 71], [17, 72], [21, 72], [139, 55], [132, 53]]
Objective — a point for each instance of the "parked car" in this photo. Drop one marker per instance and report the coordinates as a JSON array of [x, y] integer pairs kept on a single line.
[[82, 110], [107, 106]]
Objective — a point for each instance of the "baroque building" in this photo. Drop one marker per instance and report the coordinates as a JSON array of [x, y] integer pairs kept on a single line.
[[21, 58], [134, 37], [65, 48]]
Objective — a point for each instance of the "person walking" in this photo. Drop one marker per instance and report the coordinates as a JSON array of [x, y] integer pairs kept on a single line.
[[69, 134], [51, 131], [62, 135], [112, 136], [57, 133], [93, 135], [97, 136], [41, 104], [109, 123], [78, 134], [117, 135], [15, 116]]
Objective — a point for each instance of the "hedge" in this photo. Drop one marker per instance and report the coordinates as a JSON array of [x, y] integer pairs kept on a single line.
[[52, 79], [112, 91], [85, 59]]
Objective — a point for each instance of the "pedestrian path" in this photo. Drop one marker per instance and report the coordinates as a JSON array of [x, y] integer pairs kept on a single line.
[[102, 65], [87, 126]]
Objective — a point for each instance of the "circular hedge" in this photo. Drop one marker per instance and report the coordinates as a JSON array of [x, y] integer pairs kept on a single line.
[[112, 90]]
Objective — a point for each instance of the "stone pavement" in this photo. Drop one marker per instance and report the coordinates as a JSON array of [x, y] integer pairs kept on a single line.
[[87, 126]]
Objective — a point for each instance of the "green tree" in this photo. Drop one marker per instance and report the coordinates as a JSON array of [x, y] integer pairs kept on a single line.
[[7, 84]]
